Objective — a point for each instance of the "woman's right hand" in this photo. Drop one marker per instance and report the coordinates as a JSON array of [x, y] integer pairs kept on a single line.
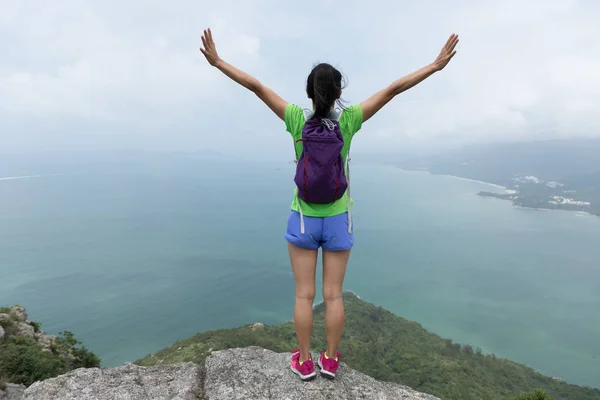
[[209, 50], [447, 53]]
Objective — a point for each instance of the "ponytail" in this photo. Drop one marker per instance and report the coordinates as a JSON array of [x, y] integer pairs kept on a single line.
[[324, 87]]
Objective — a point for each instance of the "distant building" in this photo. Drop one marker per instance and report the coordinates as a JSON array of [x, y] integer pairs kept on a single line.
[[528, 179], [554, 185], [564, 200]]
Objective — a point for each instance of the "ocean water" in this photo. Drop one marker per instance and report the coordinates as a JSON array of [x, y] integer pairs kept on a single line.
[[134, 255]]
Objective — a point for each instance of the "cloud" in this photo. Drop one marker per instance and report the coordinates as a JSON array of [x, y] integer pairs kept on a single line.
[[94, 65], [77, 73], [526, 70]]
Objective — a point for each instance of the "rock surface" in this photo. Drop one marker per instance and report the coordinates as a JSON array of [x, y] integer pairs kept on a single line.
[[255, 373], [46, 341], [1, 333], [19, 313], [12, 392], [250, 373], [129, 382], [257, 326], [25, 330]]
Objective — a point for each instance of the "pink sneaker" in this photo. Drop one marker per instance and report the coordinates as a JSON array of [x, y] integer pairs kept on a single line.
[[328, 365], [305, 370]]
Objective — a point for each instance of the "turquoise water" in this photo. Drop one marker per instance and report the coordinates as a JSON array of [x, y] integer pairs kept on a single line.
[[134, 257]]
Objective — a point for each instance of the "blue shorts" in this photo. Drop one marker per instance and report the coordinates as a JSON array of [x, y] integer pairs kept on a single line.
[[330, 233]]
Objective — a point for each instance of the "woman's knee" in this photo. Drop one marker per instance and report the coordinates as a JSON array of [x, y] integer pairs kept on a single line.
[[332, 293], [307, 293]]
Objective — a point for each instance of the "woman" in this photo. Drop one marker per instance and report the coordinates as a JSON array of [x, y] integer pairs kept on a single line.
[[320, 215]]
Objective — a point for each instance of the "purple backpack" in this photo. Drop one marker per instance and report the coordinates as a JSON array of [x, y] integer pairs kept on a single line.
[[320, 176]]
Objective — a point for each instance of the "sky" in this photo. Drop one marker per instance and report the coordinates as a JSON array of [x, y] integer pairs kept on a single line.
[[104, 74]]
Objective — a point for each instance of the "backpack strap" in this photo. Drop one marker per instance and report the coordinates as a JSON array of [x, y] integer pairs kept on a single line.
[[308, 113], [337, 114], [348, 191]]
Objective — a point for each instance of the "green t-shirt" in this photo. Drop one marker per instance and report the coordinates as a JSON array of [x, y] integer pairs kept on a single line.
[[350, 122]]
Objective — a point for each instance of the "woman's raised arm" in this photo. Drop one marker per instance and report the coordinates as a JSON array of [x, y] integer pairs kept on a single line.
[[381, 98], [268, 96]]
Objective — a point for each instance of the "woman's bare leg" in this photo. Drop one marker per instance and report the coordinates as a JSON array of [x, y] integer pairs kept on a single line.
[[334, 270], [304, 266]]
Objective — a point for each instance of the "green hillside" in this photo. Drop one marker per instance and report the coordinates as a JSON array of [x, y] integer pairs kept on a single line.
[[389, 348]]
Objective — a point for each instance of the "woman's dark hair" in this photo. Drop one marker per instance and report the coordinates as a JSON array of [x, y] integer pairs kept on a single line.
[[324, 87]]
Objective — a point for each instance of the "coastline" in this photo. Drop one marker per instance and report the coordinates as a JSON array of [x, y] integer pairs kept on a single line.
[[458, 177], [473, 180], [556, 209], [576, 212]]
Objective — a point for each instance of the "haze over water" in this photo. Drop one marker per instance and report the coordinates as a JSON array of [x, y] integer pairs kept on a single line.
[[132, 256]]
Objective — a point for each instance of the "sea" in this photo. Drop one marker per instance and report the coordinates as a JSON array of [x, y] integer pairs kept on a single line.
[[134, 253]]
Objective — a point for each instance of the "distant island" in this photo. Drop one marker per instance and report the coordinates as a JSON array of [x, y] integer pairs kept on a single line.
[[535, 195], [552, 175]]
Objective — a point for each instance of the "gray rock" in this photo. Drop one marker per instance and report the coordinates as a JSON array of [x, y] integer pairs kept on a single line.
[[12, 392], [244, 374], [5, 318], [129, 382], [19, 313], [1, 333], [46, 340], [26, 330], [255, 373], [257, 326], [39, 335]]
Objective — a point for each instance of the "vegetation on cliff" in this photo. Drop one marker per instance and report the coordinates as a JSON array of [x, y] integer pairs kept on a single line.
[[390, 348], [28, 355]]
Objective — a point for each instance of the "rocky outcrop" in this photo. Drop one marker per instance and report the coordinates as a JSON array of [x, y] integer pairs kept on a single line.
[[19, 313], [255, 373], [24, 329], [45, 340], [177, 382], [15, 323], [257, 326], [250, 373]]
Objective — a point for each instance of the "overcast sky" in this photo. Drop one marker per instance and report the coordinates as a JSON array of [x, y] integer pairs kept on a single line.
[[128, 74]]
